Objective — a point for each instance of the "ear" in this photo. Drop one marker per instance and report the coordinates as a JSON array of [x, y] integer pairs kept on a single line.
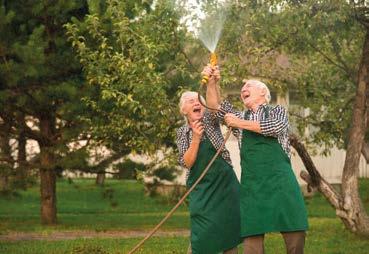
[[263, 92]]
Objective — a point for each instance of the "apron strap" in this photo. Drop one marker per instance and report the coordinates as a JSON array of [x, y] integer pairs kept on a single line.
[[267, 109]]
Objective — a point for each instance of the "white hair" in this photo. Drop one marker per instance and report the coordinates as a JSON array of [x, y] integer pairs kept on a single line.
[[185, 96], [260, 84]]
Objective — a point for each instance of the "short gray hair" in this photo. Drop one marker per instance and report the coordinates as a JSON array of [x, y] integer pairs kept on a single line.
[[260, 84], [185, 96]]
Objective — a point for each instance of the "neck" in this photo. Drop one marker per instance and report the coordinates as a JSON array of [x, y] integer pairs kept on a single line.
[[190, 122], [254, 107]]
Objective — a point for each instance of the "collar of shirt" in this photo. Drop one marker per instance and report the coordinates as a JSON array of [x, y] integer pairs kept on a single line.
[[204, 120], [260, 107], [187, 128]]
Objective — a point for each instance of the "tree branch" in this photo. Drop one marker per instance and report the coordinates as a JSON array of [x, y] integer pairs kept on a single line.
[[106, 162], [315, 177], [365, 151], [330, 60], [36, 135], [333, 197]]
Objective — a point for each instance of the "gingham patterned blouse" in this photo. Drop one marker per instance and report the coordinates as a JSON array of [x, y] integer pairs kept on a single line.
[[211, 131]]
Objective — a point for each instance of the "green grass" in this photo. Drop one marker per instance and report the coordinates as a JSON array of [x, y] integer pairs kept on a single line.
[[318, 206], [326, 236], [82, 206]]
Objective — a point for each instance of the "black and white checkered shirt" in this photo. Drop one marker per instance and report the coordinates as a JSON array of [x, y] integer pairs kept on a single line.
[[276, 125], [212, 132]]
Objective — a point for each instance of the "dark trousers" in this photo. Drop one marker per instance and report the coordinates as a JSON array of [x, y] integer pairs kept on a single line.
[[295, 242]]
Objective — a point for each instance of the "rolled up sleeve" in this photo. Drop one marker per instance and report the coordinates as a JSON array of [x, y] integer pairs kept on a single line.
[[227, 107], [276, 123]]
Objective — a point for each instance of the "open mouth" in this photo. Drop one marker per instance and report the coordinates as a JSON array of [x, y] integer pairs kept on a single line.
[[196, 110]]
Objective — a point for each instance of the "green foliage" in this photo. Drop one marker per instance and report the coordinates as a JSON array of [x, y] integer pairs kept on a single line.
[[40, 77], [128, 169], [164, 173], [159, 176], [126, 59], [310, 48]]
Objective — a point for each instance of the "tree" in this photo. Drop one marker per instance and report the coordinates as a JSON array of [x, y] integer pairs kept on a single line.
[[43, 82], [7, 160], [132, 56], [325, 47]]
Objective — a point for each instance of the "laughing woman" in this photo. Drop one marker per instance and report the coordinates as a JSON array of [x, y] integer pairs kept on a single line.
[[214, 204]]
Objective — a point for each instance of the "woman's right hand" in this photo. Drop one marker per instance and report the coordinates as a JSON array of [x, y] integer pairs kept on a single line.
[[197, 129], [212, 72]]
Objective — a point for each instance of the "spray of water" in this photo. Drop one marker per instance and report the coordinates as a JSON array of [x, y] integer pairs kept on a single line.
[[205, 19], [210, 30]]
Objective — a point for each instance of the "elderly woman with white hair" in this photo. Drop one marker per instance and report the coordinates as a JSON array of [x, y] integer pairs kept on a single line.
[[214, 203], [271, 200]]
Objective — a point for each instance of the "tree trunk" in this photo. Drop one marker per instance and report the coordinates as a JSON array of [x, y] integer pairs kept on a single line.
[[47, 173], [7, 161], [354, 211], [48, 196], [4, 183], [365, 151], [365, 148], [100, 179], [21, 170], [348, 205], [333, 197]]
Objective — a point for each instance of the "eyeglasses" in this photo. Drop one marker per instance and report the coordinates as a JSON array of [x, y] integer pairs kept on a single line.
[[193, 100]]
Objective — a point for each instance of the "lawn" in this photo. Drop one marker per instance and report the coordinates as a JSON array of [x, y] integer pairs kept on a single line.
[[119, 205], [326, 236], [122, 205]]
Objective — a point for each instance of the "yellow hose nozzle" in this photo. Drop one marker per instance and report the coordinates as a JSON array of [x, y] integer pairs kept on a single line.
[[213, 62], [213, 59]]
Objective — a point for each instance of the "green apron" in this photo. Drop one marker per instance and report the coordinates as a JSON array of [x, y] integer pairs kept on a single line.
[[271, 199], [214, 204]]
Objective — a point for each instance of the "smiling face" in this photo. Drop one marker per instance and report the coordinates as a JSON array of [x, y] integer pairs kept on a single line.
[[192, 108], [252, 95]]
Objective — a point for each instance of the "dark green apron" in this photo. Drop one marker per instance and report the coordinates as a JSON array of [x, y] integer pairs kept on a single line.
[[271, 199], [214, 204]]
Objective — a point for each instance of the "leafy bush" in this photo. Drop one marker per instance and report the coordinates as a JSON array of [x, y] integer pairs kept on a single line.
[[128, 169]]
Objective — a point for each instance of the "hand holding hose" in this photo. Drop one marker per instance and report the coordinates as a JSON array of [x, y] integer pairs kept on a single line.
[[210, 74], [213, 63]]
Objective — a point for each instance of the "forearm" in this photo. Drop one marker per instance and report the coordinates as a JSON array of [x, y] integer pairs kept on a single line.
[[213, 95], [190, 155], [250, 125]]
